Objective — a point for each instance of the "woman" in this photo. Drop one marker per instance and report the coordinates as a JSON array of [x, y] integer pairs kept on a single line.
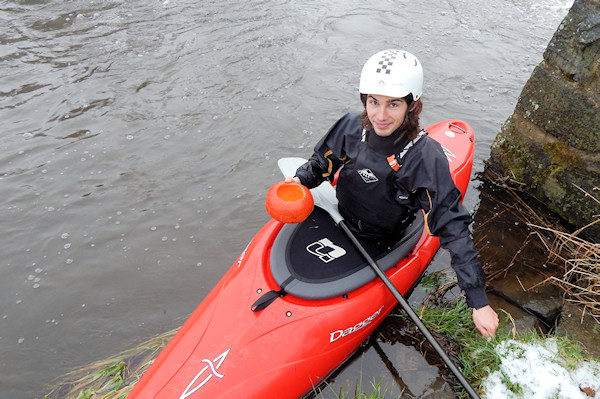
[[389, 170]]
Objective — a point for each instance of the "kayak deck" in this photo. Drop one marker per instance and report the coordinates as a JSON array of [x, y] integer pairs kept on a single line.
[[316, 260]]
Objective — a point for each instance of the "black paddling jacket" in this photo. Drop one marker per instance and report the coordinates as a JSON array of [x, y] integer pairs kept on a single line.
[[378, 201]]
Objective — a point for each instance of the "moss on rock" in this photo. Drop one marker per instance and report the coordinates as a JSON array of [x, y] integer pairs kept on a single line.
[[550, 146]]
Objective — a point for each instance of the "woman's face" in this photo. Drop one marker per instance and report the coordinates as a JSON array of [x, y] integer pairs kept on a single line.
[[385, 113]]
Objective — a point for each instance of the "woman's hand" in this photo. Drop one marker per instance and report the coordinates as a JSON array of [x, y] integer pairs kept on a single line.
[[486, 320]]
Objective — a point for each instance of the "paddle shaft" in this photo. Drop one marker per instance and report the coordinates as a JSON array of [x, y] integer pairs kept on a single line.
[[411, 313], [325, 198]]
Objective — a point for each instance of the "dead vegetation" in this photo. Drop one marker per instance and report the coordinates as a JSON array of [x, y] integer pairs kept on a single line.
[[110, 378], [581, 278], [578, 258]]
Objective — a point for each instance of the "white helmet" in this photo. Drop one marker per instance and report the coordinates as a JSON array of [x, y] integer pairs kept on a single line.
[[393, 73]]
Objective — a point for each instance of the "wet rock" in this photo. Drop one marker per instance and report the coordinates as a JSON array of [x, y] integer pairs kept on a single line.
[[523, 321], [521, 288], [578, 326], [550, 146]]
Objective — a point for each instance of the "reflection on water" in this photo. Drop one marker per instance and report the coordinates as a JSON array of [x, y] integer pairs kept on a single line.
[[394, 362], [139, 138]]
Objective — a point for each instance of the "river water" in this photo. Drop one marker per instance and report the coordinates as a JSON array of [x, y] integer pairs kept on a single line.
[[138, 140]]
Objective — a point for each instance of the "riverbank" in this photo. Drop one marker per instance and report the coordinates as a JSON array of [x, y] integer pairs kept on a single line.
[[494, 367], [525, 251]]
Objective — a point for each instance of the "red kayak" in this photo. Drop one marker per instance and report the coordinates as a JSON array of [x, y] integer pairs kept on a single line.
[[296, 304]]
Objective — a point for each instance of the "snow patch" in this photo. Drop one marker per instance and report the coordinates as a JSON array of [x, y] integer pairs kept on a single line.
[[537, 370]]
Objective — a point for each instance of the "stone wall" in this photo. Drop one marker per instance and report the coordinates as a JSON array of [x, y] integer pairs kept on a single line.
[[550, 146]]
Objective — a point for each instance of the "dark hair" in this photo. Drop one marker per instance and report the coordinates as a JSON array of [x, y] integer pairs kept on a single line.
[[410, 126]]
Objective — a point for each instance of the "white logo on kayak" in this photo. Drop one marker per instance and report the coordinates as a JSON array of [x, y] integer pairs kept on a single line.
[[334, 336], [326, 250], [448, 154], [367, 175], [212, 366]]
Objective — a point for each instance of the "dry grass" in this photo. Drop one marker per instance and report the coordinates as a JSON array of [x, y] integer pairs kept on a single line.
[[581, 259], [572, 263], [111, 378]]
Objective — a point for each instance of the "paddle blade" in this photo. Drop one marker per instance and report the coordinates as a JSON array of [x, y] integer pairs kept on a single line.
[[288, 166]]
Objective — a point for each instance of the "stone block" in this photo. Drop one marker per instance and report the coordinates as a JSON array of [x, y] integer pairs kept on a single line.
[[550, 146], [561, 108]]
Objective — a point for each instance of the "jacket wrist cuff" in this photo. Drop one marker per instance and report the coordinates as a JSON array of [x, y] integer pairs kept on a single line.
[[301, 180], [476, 297]]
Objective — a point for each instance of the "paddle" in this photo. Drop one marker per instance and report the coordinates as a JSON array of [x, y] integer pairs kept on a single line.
[[325, 198]]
